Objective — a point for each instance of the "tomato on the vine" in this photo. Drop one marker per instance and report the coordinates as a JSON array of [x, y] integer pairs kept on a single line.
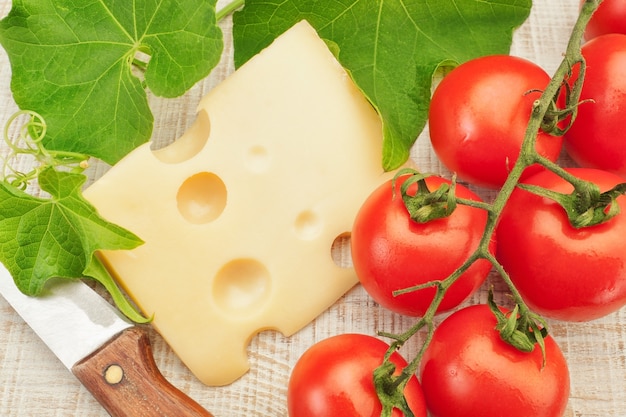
[[563, 272], [334, 377], [468, 370], [392, 252], [596, 138], [478, 117], [609, 17]]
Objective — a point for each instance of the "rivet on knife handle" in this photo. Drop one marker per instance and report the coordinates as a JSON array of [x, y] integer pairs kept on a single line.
[[124, 378]]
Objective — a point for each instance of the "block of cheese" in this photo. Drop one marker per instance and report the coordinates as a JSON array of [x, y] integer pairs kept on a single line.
[[240, 213]]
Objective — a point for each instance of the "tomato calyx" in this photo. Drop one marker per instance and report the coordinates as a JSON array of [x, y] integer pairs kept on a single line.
[[521, 328], [554, 118], [424, 205], [390, 389], [557, 120], [585, 206]]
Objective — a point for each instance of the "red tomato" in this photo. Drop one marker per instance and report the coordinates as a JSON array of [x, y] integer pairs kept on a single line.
[[609, 17], [478, 117], [562, 272], [335, 378], [596, 138], [468, 370], [392, 252]]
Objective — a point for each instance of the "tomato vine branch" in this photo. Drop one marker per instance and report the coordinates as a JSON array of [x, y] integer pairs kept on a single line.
[[522, 328]]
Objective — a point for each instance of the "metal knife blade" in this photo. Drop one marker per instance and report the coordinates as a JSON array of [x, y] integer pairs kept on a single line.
[[110, 356]]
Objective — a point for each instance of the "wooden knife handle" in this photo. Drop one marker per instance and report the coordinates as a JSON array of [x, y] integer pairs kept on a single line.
[[124, 378]]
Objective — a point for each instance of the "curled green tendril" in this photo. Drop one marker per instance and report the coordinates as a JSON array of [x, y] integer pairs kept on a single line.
[[29, 142]]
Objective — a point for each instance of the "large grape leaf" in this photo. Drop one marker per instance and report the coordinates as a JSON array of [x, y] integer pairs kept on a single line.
[[44, 238], [391, 48], [72, 62]]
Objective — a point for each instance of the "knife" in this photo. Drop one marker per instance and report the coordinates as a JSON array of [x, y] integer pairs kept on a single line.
[[110, 356]]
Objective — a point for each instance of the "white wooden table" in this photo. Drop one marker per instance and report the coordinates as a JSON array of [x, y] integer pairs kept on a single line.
[[34, 383]]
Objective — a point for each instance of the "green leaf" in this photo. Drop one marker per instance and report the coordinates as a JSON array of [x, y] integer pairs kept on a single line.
[[43, 238], [392, 48], [72, 62]]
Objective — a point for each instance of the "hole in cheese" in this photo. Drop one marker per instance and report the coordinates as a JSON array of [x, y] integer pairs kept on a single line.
[[257, 159], [340, 251], [189, 144], [201, 198], [241, 287], [308, 225]]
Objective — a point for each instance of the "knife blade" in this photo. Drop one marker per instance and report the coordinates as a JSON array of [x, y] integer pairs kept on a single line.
[[110, 356]]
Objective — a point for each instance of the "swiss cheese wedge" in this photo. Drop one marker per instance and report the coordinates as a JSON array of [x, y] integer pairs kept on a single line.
[[239, 214]]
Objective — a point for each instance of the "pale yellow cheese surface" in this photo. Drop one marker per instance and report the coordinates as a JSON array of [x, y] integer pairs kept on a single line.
[[239, 214]]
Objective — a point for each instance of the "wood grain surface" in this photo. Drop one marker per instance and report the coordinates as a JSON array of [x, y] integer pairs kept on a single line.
[[34, 383]]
